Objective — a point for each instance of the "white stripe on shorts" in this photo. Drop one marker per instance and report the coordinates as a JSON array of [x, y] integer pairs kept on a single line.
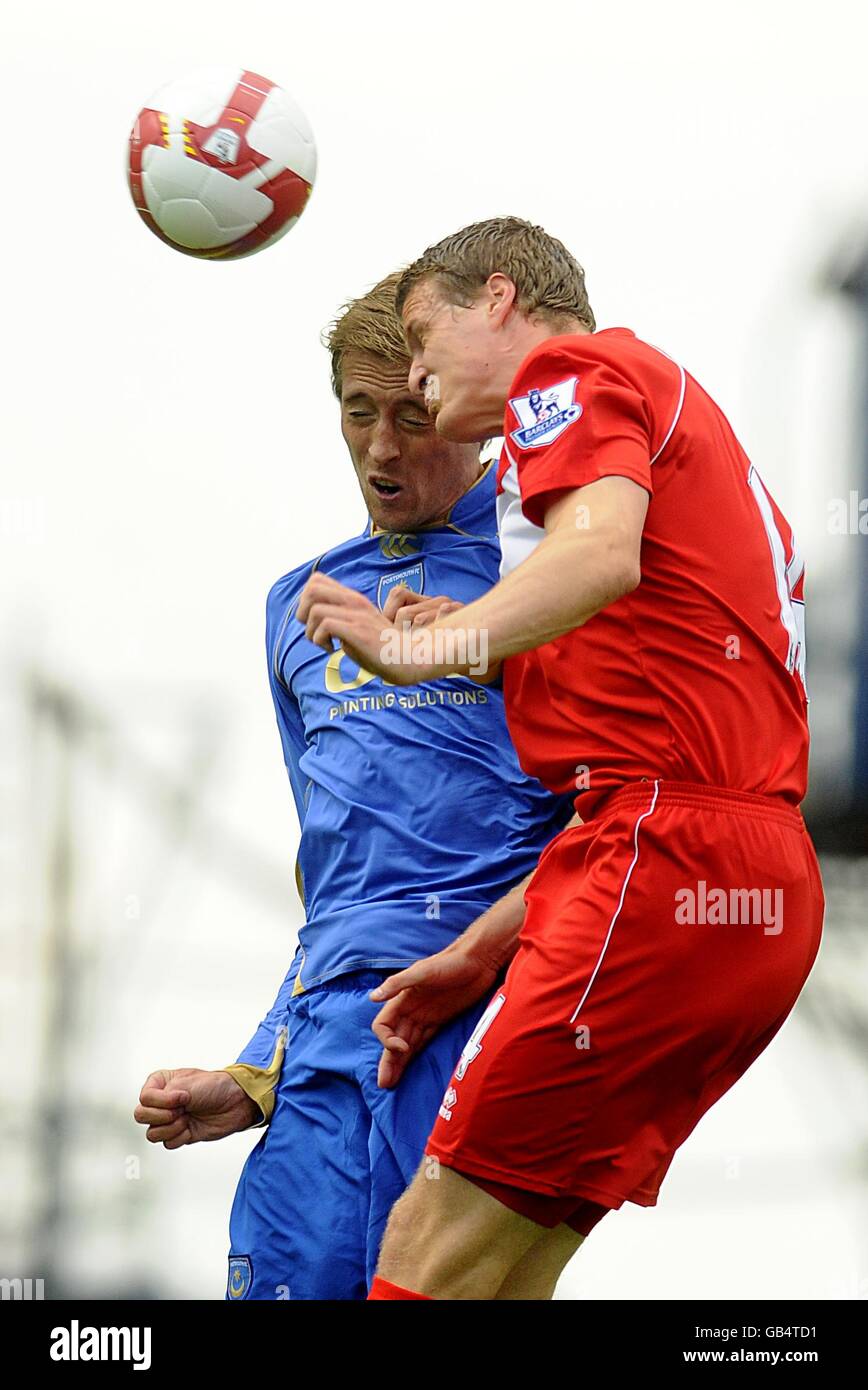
[[620, 901]]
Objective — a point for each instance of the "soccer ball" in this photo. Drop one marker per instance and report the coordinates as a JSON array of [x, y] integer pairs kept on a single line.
[[221, 163]]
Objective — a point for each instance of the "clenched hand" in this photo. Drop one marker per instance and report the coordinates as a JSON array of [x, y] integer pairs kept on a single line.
[[189, 1106]]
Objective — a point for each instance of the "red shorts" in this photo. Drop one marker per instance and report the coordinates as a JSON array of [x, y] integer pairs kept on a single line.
[[664, 944]]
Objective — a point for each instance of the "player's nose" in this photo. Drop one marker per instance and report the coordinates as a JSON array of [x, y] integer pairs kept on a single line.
[[384, 444]]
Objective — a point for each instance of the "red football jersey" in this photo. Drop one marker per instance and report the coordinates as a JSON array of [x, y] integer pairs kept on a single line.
[[698, 675]]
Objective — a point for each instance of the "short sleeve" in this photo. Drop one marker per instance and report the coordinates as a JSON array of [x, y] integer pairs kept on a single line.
[[575, 421]]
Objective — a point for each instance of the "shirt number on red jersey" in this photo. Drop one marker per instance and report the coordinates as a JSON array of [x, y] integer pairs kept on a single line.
[[789, 577], [473, 1046]]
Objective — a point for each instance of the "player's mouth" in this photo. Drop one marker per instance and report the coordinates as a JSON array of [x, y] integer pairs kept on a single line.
[[385, 488]]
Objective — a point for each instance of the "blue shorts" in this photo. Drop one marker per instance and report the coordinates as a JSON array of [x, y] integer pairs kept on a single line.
[[315, 1193]]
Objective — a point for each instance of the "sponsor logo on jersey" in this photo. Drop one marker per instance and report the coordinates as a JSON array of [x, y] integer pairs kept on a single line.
[[397, 546], [223, 144], [414, 578], [451, 1096], [240, 1276], [544, 414]]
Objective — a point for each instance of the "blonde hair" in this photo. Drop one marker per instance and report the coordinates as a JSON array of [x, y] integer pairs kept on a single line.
[[549, 281], [368, 324]]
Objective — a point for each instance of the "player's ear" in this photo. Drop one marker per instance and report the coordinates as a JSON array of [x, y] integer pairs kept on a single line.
[[501, 295]]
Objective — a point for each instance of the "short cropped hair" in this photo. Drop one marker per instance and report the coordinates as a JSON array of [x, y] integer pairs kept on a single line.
[[368, 324], [549, 281]]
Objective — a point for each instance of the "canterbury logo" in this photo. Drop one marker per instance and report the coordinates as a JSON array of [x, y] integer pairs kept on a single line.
[[396, 546]]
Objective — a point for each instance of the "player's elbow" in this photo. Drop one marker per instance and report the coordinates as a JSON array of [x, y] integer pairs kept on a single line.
[[623, 571], [629, 575]]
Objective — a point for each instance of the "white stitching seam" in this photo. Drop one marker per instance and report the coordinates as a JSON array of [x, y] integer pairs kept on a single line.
[[677, 414]]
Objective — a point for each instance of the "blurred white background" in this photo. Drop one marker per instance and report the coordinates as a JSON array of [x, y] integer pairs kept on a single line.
[[171, 446]]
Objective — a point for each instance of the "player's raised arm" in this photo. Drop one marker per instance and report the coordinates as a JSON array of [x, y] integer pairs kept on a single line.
[[588, 559]]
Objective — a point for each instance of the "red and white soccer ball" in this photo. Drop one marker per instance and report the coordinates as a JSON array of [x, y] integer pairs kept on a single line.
[[221, 163]]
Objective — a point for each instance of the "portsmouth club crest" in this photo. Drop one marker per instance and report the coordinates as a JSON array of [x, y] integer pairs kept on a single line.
[[545, 414], [413, 578], [240, 1276]]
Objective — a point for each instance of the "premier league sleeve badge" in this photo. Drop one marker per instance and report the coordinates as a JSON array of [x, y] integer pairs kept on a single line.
[[544, 414]]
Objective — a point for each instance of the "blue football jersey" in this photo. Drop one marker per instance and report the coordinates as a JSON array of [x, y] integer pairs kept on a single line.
[[415, 813]]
